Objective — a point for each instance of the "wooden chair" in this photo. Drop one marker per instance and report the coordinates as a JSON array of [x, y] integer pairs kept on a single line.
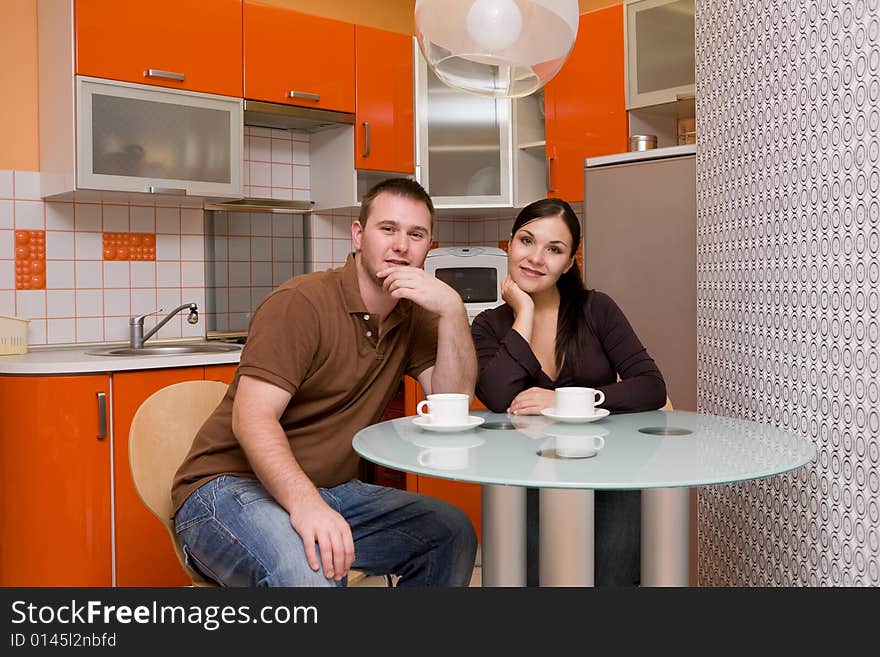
[[161, 433]]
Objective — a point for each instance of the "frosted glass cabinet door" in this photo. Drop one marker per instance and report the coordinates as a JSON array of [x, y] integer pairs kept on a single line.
[[144, 139], [659, 52], [463, 143]]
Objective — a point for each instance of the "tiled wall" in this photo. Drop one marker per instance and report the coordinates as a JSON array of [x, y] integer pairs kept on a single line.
[[330, 233], [252, 254], [276, 164], [87, 295], [87, 298]]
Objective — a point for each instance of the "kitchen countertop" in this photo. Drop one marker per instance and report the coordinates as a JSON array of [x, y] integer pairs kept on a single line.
[[73, 359], [639, 156]]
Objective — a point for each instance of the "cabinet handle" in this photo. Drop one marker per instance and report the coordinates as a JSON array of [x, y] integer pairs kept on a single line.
[[550, 187], [304, 95], [688, 95], [366, 152], [167, 75], [179, 191], [102, 415]]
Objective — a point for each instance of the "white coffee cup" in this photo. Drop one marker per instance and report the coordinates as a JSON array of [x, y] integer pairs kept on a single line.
[[578, 402], [445, 408], [577, 447], [444, 458]]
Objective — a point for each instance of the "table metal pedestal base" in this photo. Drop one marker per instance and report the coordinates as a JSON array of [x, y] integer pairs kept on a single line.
[[504, 535], [567, 543], [665, 536], [567, 539]]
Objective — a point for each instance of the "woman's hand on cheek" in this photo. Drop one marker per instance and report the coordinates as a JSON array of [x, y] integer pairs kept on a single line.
[[513, 295]]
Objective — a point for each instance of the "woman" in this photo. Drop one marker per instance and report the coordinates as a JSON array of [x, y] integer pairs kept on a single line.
[[553, 332]]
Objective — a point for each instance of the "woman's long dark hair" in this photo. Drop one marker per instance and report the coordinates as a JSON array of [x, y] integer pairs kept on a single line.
[[571, 329]]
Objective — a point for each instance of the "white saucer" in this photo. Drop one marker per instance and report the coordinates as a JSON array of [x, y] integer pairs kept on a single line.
[[598, 414], [424, 423]]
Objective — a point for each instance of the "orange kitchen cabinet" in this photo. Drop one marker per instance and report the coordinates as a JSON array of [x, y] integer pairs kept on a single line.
[[55, 527], [384, 137], [201, 41], [287, 51], [224, 373], [585, 104], [144, 553], [465, 496]]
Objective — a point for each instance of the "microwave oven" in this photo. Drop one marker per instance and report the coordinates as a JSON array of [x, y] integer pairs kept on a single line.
[[475, 272]]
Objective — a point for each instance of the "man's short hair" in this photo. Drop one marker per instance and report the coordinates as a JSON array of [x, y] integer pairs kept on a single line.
[[405, 187]]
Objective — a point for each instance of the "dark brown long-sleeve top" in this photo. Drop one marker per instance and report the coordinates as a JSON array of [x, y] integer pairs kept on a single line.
[[508, 365]]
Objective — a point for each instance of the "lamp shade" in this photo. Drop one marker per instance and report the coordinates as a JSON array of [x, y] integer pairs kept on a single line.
[[498, 48]]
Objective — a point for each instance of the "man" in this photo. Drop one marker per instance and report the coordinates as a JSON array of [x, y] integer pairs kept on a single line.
[[268, 495]]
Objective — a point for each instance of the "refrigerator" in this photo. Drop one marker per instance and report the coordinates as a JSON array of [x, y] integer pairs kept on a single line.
[[640, 247]]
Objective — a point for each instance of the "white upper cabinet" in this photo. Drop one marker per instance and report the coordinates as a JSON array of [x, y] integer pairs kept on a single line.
[[468, 149], [146, 139], [104, 138], [659, 37]]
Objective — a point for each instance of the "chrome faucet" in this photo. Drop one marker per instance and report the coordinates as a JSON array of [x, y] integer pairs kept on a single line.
[[136, 335]]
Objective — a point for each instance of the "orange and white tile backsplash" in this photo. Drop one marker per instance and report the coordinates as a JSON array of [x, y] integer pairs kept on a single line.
[[276, 164], [104, 262], [86, 296]]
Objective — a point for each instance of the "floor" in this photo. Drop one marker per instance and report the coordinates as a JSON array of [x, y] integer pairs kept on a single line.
[[476, 578]]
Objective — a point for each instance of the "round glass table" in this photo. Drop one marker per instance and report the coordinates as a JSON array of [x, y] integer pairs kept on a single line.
[[661, 453]]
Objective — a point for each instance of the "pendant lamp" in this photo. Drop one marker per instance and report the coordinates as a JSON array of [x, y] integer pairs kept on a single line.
[[497, 48]]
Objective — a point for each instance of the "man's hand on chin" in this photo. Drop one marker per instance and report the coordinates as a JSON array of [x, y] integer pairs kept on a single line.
[[420, 287]]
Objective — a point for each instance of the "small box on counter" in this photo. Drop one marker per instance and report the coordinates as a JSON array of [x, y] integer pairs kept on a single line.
[[13, 335]]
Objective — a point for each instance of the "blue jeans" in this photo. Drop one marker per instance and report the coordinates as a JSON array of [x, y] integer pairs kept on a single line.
[[233, 532]]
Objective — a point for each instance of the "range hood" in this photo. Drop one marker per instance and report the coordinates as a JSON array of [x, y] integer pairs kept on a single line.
[[285, 117], [291, 117], [276, 206]]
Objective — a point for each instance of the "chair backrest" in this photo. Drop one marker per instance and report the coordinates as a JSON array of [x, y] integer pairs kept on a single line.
[[161, 434]]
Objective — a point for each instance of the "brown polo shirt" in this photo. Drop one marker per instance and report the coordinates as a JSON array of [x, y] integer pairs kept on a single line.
[[313, 337]]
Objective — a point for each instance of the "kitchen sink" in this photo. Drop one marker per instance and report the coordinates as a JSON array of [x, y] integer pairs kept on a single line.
[[167, 349]]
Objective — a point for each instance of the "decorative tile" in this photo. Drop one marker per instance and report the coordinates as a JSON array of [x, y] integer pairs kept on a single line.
[[129, 246], [30, 259]]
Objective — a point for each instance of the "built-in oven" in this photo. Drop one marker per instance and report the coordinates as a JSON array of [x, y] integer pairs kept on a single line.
[[475, 272]]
